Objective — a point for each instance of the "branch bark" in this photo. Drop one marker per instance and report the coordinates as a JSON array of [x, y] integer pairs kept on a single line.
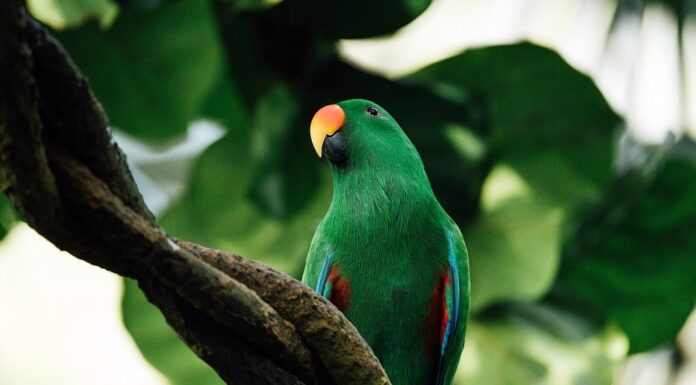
[[69, 180]]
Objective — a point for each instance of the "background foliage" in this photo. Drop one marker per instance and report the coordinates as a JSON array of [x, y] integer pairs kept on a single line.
[[574, 262]]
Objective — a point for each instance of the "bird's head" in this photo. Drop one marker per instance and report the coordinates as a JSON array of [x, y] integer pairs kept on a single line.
[[358, 135]]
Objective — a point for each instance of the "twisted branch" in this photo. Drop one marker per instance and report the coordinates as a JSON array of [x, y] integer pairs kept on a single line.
[[69, 180]]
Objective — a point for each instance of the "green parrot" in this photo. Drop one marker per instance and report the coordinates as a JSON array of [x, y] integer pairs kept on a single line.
[[386, 253]]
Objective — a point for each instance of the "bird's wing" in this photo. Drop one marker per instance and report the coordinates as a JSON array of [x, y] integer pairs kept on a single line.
[[333, 285], [454, 292]]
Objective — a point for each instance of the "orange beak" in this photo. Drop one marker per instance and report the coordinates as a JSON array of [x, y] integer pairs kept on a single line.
[[325, 122]]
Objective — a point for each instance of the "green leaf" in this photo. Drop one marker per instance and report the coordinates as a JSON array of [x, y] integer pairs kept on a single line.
[[633, 261], [153, 70], [62, 14], [224, 105], [340, 20], [514, 244], [537, 344], [159, 344], [538, 104], [546, 119]]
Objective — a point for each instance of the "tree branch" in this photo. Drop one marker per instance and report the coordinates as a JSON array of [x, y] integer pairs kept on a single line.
[[69, 180]]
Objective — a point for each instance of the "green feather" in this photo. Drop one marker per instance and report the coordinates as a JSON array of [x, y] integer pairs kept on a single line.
[[388, 236]]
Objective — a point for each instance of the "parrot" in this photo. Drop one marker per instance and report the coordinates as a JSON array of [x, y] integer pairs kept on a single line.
[[386, 253]]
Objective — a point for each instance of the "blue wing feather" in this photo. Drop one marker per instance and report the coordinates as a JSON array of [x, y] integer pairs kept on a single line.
[[453, 309], [454, 276], [323, 276]]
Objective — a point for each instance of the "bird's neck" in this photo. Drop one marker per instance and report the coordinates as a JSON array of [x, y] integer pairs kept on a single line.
[[381, 199]]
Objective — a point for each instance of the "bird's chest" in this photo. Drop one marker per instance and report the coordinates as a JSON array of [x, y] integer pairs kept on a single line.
[[390, 260], [391, 272]]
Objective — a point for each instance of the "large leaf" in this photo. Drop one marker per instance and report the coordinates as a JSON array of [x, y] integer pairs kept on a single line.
[[538, 104], [514, 243], [551, 138], [634, 260], [151, 70], [159, 344]]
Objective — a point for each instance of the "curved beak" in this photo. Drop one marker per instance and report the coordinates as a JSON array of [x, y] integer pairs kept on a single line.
[[325, 122]]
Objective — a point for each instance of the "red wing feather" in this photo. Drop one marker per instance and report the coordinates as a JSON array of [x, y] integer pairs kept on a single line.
[[340, 289], [438, 316]]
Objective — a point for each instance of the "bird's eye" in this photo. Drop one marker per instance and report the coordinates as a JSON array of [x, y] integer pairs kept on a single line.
[[372, 111]]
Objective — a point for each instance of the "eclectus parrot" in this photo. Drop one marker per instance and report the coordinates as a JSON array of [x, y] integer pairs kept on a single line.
[[386, 253]]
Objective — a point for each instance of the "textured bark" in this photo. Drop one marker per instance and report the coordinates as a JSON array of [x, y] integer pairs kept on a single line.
[[326, 331], [69, 180]]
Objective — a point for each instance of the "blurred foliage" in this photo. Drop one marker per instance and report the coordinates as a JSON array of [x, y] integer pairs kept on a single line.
[[633, 260], [151, 70], [537, 344], [571, 261]]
